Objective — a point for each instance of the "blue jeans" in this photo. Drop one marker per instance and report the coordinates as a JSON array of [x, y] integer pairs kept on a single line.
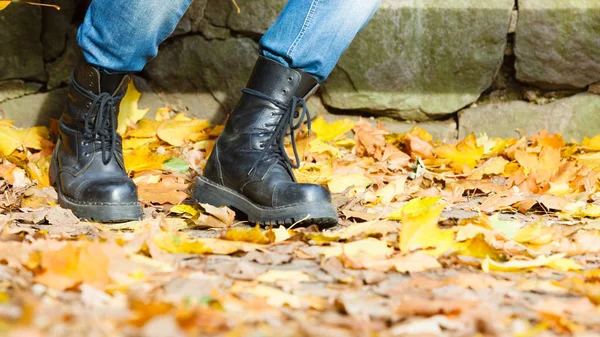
[[311, 35]]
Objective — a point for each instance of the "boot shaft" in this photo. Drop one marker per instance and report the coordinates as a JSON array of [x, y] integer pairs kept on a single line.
[[88, 83], [275, 81]]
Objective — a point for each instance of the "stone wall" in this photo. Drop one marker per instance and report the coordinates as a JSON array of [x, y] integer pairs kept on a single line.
[[454, 66]]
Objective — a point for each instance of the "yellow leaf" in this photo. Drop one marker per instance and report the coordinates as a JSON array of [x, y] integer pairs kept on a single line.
[[387, 194], [591, 160], [176, 132], [318, 146], [294, 276], [129, 113], [328, 132], [477, 247], [466, 153], [4, 4], [147, 128], [314, 173], [136, 143], [281, 234], [494, 165], [564, 264], [535, 233], [143, 159], [345, 143], [414, 207], [182, 243], [556, 261], [581, 209], [591, 143], [340, 183], [559, 189], [181, 209], [3, 296], [420, 229], [12, 138], [254, 235]]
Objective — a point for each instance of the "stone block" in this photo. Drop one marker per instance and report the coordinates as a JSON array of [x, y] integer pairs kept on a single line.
[[420, 59]]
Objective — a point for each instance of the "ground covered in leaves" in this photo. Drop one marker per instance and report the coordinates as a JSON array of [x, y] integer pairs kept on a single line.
[[487, 237]]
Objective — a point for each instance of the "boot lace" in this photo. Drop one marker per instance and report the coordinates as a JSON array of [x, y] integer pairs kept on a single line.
[[274, 147], [100, 128]]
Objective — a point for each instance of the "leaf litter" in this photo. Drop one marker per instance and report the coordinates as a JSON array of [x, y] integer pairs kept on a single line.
[[485, 237]]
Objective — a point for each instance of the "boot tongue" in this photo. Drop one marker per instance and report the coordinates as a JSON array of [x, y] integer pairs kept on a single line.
[[110, 83], [307, 86], [93, 79]]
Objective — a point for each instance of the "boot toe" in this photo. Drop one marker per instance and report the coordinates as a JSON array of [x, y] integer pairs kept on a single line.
[[294, 193], [109, 191]]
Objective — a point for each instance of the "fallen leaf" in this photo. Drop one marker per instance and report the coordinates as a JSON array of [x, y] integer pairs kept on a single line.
[[129, 113]]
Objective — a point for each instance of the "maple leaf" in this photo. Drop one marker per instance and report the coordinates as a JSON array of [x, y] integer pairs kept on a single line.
[[75, 263], [464, 154], [182, 243], [340, 183], [129, 113], [12, 138], [420, 229], [330, 131], [591, 143], [254, 235]]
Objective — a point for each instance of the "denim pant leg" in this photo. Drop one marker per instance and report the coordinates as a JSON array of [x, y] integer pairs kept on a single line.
[[123, 36], [312, 34]]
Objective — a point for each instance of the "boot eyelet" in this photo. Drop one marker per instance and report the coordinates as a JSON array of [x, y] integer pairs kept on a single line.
[[285, 90], [88, 105], [91, 74], [290, 79]]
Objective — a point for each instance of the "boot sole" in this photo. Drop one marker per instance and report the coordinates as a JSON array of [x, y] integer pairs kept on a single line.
[[99, 212], [322, 215]]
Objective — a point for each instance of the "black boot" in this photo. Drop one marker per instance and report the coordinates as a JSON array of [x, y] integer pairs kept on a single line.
[[249, 169], [87, 163]]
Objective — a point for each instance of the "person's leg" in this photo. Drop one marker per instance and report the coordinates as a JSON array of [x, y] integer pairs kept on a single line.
[[249, 169], [312, 34], [117, 38], [123, 36]]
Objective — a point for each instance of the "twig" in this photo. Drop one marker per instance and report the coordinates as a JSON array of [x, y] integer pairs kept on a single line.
[[237, 8]]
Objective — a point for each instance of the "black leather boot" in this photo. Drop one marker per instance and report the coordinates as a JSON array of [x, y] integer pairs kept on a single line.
[[249, 170], [87, 164]]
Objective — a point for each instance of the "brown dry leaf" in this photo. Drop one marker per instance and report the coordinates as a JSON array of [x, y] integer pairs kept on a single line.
[[413, 262], [168, 189], [223, 214], [370, 142]]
